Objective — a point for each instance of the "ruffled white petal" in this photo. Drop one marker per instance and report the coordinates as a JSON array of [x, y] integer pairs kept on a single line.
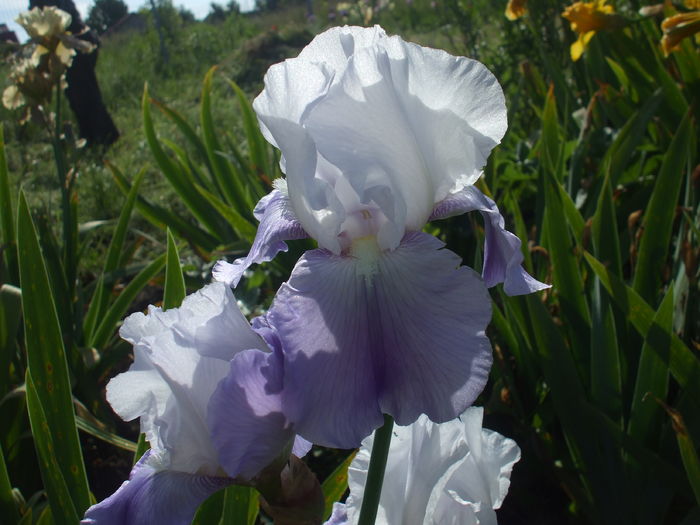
[[371, 125], [454, 473], [180, 357]]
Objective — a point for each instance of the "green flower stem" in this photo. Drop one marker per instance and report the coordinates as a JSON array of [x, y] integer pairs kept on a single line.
[[69, 215], [375, 475]]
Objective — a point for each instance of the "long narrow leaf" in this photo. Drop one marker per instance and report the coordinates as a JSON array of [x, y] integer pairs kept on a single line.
[[226, 174], [57, 491], [684, 365], [627, 140], [659, 214], [7, 219], [256, 142], [652, 374], [118, 441], [100, 298], [161, 217], [10, 313], [568, 282], [240, 505], [186, 130], [46, 360], [240, 225], [107, 327], [180, 182], [606, 371], [335, 485], [8, 509], [174, 290]]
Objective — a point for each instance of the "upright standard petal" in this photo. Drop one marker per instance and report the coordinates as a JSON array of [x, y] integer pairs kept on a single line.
[[502, 256], [398, 332], [397, 119], [153, 496], [278, 223], [454, 473], [369, 124]]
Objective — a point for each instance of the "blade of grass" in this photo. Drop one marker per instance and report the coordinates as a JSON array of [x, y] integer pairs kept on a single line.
[[46, 359]]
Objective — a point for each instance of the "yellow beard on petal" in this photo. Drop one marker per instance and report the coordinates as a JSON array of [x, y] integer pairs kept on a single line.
[[367, 252]]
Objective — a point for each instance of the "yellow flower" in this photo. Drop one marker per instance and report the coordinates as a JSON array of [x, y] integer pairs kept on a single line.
[[515, 9], [588, 17], [678, 27], [12, 97], [47, 22]]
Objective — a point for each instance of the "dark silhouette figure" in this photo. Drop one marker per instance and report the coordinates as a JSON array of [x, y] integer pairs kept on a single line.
[[83, 93]]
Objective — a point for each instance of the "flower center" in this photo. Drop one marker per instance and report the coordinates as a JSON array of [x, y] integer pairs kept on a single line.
[[367, 252], [362, 223]]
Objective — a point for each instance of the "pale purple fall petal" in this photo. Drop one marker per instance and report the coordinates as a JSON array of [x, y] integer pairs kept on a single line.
[[278, 223], [398, 332], [152, 496], [245, 416], [502, 256]]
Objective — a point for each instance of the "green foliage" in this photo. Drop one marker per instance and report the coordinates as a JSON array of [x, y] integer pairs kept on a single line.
[[103, 14], [597, 379]]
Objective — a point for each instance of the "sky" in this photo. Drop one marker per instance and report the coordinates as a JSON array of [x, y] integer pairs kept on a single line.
[[9, 9]]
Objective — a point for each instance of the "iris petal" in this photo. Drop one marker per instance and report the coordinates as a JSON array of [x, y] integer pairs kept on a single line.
[[245, 415], [502, 256], [152, 497], [396, 119], [402, 335], [278, 223]]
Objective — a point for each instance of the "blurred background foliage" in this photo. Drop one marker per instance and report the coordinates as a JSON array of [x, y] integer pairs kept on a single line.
[[597, 379]]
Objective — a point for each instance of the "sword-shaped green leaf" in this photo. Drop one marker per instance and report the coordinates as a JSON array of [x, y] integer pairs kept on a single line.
[[47, 364]]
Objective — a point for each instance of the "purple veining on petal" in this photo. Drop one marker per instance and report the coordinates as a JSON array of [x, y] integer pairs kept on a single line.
[[152, 497], [502, 256], [245, 416], [278, 223], [402, 335]]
